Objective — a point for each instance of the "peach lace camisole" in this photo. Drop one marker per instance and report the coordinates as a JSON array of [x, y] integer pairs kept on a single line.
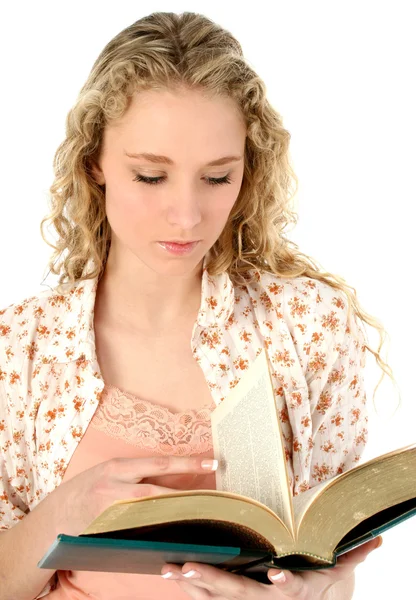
[[126, 426]]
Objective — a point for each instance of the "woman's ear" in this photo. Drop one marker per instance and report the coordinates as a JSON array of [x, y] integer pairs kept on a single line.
[[97, 174]]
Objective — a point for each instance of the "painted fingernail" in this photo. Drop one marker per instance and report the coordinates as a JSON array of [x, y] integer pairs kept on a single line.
[[191, 574], [169, 575], [280, 577], [210, 465]]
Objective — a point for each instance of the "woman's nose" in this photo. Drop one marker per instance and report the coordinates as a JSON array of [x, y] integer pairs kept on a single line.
[[184, 212]]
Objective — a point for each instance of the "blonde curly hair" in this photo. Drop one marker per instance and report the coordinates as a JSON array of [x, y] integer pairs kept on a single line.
[[166, 50]]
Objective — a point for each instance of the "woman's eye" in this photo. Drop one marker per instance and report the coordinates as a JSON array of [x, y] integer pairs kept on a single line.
[[157, 180]]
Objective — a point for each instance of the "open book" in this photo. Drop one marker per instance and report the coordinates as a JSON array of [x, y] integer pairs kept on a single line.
[[250, 522]]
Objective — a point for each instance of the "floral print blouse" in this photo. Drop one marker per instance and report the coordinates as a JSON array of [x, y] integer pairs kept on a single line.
[[50, 380]]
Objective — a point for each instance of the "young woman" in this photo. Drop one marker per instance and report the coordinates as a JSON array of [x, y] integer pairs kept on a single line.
[[173, 189]]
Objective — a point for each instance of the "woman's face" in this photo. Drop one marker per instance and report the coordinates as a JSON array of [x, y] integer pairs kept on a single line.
[[192, 131]]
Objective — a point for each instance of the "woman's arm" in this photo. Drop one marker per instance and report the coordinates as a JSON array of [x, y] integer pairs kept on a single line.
[[20, 578]]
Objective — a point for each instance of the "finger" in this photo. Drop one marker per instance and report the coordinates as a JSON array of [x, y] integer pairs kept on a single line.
[[358, 555], [135, 469], [290, 584], [174, 571], [195, 592], [221, 583], [142, 490]]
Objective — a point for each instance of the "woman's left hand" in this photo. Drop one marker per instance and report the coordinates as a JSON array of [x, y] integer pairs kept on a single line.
[[211, 582]]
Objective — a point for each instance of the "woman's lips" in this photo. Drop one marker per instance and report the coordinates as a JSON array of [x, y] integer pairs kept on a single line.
[[178, 249]]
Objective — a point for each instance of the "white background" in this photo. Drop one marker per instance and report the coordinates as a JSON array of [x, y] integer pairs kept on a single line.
[[342, 76]]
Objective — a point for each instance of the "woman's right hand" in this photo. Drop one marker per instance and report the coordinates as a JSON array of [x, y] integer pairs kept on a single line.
[[78, 501]]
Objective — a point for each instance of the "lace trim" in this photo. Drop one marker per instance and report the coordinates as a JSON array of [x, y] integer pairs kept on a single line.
[[153, 427]]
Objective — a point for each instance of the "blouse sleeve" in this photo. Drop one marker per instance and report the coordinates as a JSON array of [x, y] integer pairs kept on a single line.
[[13, 493], [12, 505], [337, 419]]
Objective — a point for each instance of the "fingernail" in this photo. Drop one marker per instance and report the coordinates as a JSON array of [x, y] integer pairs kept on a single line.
[[280, 577], [169, 575], [210, 465], [380, 541], [191, 574]]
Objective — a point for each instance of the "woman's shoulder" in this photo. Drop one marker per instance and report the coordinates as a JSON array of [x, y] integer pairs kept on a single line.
[[295, 296], [24, 315], [23, 307], [29, 326], [17, 319], [311, 310], [45, 304]]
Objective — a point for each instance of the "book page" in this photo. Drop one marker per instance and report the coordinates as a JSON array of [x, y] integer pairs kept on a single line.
[[248, 443], [359, 501], [302, 501]]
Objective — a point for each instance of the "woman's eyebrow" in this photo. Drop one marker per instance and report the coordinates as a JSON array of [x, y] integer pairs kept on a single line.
[[159, 159]]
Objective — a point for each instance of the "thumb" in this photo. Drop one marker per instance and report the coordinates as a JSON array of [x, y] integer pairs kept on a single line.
[[358, 555]]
